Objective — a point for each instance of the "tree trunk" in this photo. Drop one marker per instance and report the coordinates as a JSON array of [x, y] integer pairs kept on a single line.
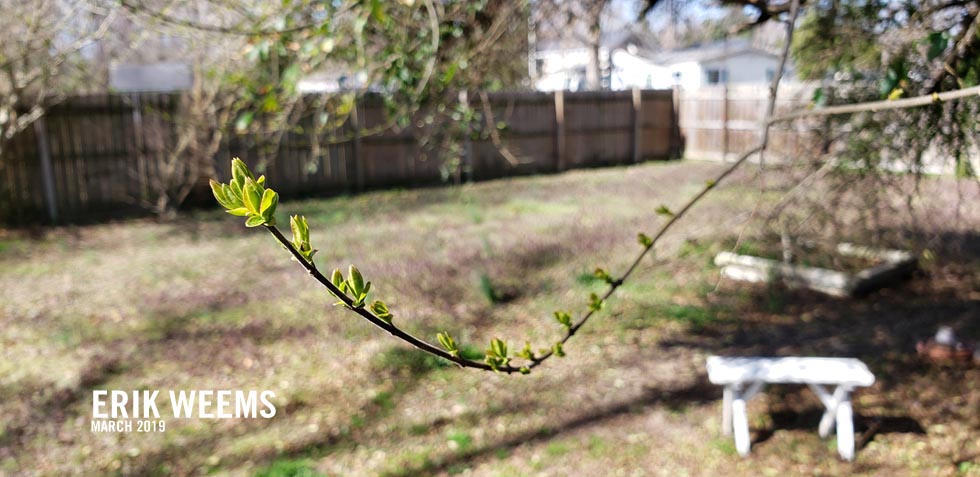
[[593, 71]]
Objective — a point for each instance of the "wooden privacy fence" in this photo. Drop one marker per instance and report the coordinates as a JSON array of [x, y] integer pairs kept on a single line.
[[543, 133], [94, 157], [722, 122], [89, 156]]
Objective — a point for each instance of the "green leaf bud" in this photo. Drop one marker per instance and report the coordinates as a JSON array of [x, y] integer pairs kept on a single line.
[[644, 240], [564, 318], [498, 348], [337, 279], [447, 341], [526, 352], [381, 311], [355, 282], [595, 303]]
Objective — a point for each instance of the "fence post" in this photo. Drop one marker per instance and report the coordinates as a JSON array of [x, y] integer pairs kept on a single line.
[[676, 148], [466, 162], [560, 130], [47, 172], [637, 109], [357, 163], [724, 123], [142, 169]]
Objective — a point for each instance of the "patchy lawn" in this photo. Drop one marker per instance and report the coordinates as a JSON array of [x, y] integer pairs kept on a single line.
[[204, 303]]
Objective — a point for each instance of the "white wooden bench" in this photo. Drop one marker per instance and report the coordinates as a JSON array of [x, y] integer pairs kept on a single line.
[[744, 377]]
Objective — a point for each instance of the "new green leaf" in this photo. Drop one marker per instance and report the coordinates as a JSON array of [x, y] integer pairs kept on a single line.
[[254, 221], [381, 311], [447, 341], [270, 199], [526, 352], [498, 348], [337, 278], [354, 280], [595, 303], [564, 318], [240, 172], [253, 199], [219, 194]]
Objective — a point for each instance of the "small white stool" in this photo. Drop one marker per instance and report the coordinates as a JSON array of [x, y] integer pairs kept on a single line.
[[744, 377]]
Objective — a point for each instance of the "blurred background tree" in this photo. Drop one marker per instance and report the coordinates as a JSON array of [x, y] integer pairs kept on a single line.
[[41, 57], [867, 50]]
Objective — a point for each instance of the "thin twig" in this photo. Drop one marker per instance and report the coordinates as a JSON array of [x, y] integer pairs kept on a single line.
[[164, 17], [431, 65], [494, 135], [875, 106]]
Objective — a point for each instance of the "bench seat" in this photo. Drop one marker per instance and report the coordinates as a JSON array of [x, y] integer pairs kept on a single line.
[[789, 370]]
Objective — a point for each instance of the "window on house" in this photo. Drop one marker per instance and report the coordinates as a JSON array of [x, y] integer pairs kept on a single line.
[[717, 76]]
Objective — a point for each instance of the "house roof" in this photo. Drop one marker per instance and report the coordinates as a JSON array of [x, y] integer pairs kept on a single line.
[[709, 52], [159, 77], [610, 38]]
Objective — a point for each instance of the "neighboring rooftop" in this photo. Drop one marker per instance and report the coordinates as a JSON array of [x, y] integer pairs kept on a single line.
[[610, 39], [709, 52], [155, 77]]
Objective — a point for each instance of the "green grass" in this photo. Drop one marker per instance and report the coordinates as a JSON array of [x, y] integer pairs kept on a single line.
[[290, 468], [697, 317], [462, 440], [557, 448], [488, 290]]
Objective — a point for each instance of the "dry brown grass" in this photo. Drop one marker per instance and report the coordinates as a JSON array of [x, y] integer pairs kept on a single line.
[[204, 303]]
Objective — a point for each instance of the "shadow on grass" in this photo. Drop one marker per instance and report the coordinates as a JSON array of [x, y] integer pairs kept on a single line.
[[699, 393], [399, 366], [50, 404], [865, 427]]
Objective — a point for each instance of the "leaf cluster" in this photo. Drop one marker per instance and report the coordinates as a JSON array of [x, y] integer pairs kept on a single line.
[[246, 196]]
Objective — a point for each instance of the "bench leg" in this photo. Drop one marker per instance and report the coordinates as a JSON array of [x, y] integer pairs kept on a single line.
[[726, 410], [740, 418], [826, 423], [734, 416], [740, 421], [831, 402], [839, 413], [845, 429]]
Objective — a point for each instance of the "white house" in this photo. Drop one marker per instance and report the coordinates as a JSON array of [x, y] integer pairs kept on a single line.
[[625, 63], [561, 64], [734, 62]]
